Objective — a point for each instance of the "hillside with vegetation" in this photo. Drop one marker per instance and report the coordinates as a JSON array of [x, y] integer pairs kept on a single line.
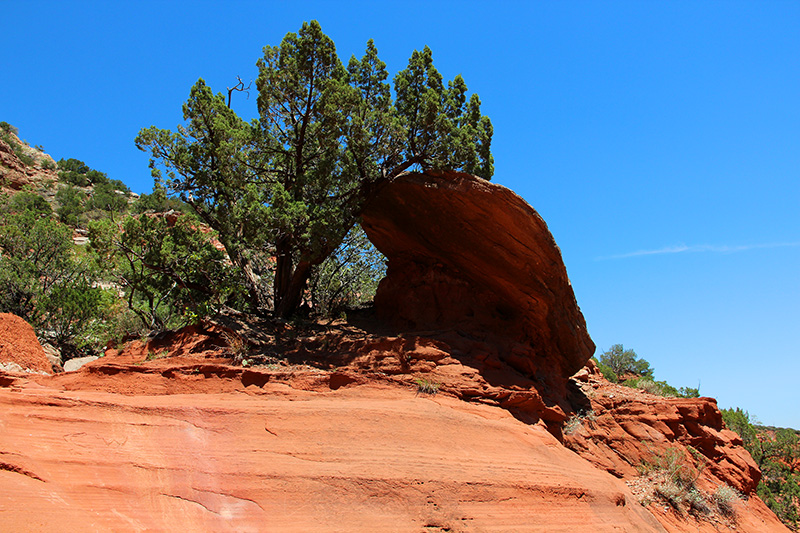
[[105, 292], [91, 264]]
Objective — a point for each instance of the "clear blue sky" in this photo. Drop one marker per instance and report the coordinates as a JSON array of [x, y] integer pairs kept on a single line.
[[659, 140]]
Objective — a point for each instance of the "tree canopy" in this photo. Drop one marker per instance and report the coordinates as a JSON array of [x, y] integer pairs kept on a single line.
[[284, 190], [622, 361]]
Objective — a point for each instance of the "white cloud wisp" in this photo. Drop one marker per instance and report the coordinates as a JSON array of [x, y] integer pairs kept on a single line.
[[682, 248]]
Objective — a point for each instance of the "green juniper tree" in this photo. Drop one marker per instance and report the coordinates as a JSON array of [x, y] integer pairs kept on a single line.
[[622, 361], [291, 184]]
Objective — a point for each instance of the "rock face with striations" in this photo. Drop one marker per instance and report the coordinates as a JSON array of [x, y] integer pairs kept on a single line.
[[472, 255]]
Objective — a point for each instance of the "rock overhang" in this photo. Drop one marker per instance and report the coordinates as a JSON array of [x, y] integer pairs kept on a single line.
[[470, 254]]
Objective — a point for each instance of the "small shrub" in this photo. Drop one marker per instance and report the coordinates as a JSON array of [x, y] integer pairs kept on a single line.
[[573, 423], [122, 325], [658, 388], [673, 478], [426, 386], [697, 502], [48, 164], [724, 499], [689, 392], [673, 463], [25, 158], [607, 372], [71, 205], [661, 388], [673, 492]]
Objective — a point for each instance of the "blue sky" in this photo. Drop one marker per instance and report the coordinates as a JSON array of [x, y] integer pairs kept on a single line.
[[659, 140]]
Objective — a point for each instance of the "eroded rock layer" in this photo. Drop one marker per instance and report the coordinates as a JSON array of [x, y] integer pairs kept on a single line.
[[470, 255], [336, 436], [283, 452], [638, 437]]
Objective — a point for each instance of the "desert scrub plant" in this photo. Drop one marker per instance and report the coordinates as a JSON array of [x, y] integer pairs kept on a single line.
[[724, 499], [674, 478], [573, 423], [426, 386], [661, 388]]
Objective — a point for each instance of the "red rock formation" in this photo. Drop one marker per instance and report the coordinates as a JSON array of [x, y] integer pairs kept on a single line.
[[14, 174], [256, 450], [471, 255], [624, 429], [18, 344], [628, 427]]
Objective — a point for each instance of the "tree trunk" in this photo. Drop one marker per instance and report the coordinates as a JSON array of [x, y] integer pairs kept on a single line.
[[289, 300], [283, 270]]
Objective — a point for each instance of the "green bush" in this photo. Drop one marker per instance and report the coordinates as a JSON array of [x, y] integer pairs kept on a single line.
[[607, 372], [73, 171], [776, 452], [661, 388], [41, 281], [121, 325], [71, 205], [426, 386], [26, 203], [106, 198], [75, 312], [623, 361], [78, 173], [171, 274]]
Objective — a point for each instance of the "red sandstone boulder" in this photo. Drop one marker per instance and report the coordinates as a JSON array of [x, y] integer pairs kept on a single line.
[[471, 255], [19, 345]]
